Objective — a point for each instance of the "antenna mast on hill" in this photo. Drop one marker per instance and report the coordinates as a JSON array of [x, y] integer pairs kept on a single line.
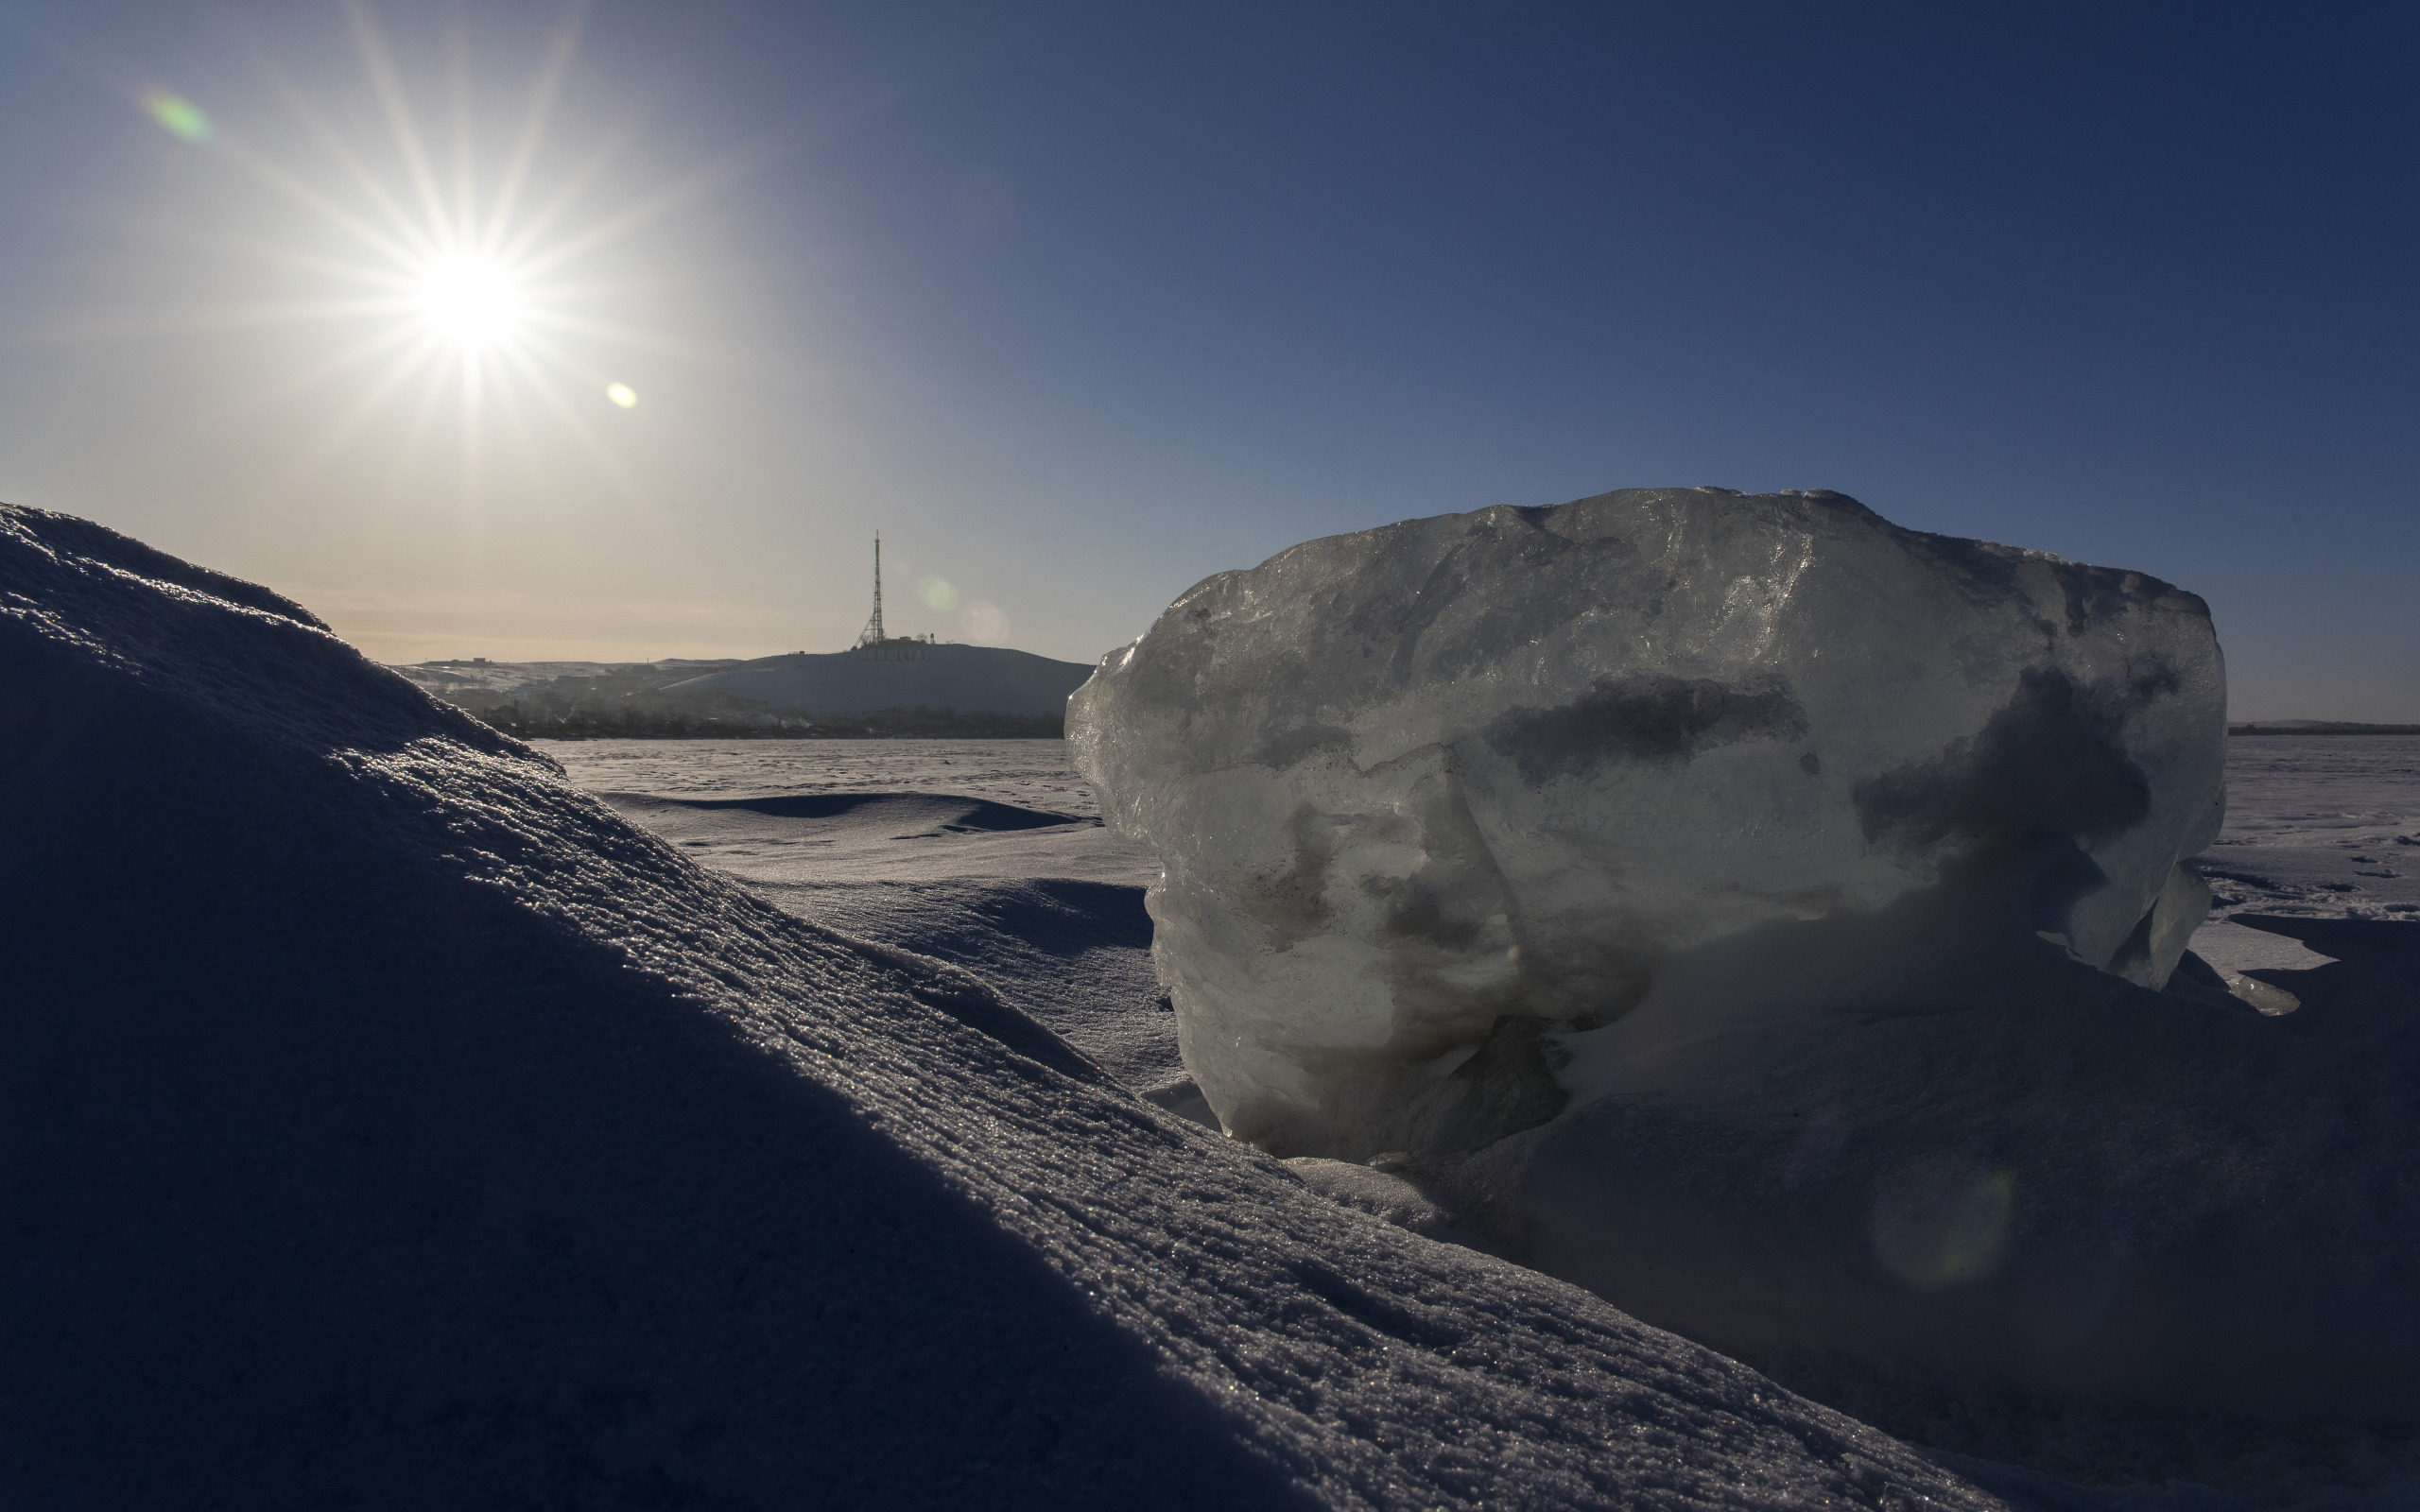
[[873, 634], [873, 644]]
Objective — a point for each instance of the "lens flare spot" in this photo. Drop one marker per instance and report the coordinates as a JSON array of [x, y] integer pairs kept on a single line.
[[937, 593], [471, 301], [622, 394], [177, 116], [1939, 1223], [983, 623]]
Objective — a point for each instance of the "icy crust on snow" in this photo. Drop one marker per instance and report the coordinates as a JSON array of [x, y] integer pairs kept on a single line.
[[391, 1124], [1423, 791]]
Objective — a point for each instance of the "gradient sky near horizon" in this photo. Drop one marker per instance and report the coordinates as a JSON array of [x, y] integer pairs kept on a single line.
[[1079, 304]]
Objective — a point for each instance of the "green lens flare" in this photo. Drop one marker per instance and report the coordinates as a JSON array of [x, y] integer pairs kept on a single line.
[[179, 117], [937, 593], [1941, 1223]]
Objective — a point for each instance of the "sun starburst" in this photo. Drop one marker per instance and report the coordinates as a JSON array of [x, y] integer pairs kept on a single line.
[[455, 267]]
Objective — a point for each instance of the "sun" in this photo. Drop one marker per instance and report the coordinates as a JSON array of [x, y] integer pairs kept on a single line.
[[469, 302], [471, 268]]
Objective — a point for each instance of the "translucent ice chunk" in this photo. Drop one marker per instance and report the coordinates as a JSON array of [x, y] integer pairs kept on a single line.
[[1427, 793]]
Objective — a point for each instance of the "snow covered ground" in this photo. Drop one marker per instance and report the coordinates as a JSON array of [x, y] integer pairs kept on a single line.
[[988, 854], [1032, 773], [2327, 826], [861, 836]]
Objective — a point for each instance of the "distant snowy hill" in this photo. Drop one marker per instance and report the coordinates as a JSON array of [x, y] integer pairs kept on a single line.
[[388, 1124], [970, 679]]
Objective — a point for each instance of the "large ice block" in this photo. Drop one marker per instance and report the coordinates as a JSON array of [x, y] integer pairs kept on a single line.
[[1431, 797]]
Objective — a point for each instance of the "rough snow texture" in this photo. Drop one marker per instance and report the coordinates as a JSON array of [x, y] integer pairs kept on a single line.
[[1423, 789], [390, 1123]]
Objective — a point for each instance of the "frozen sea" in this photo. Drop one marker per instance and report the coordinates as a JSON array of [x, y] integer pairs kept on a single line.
[[2327, 826], [991, 854]]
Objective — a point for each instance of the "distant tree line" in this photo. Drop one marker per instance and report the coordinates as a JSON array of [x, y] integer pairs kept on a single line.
[[630, 702], [542, 713]]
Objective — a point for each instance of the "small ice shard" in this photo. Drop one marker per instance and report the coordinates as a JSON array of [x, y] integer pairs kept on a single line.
[[1431, 794], [2197, 981]]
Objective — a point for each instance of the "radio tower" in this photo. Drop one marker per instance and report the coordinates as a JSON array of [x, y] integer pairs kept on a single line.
[[872, 635], [873, 644]]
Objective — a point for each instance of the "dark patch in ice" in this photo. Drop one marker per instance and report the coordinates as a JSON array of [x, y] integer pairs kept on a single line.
[[1811, 764], [2159, 681], [1290, 902], [1422, 911], [2051, 762], [1645, 718]]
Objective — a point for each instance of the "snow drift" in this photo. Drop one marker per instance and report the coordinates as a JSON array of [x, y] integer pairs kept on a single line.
[[387, 1123]]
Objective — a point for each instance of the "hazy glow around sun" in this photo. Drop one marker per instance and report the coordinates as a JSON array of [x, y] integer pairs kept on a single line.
[[444, 261], [470, 302]]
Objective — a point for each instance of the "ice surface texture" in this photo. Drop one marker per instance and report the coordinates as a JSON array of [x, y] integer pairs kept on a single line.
[[388, 1124], [1489, 769]]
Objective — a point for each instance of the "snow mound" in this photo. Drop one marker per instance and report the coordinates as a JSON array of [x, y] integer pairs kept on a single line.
[[1425, 791], [390, 1123]]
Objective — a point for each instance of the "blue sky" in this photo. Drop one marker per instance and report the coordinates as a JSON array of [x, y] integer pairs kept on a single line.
[[1080, 303]]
